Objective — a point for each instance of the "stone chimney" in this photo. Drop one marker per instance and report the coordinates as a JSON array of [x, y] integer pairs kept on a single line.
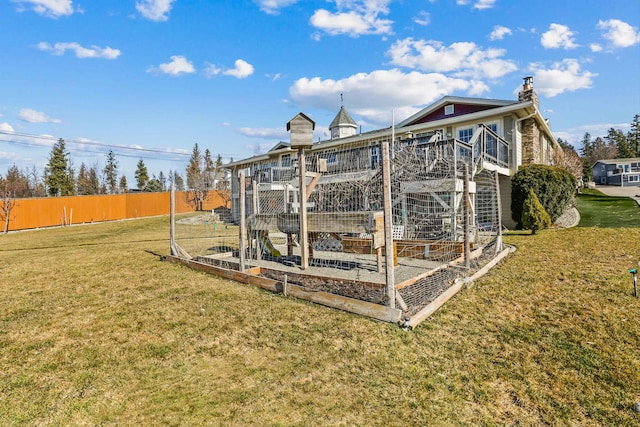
[[529, 128], [527, 93]]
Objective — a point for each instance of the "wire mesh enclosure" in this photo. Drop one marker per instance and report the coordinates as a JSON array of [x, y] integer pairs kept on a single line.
[[442, 221]]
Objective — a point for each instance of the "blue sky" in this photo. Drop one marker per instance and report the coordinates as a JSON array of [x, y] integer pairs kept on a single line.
[[150, 78]]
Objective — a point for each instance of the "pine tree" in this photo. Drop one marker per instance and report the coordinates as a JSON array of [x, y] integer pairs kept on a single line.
[[534, 216], [633, 136], [122, 186], [58, 175], [142, 175], [196, 179], [617, 138], [95, 186], [111, 173], [84, 184], [209, 173], [178, 181], [163, 181]]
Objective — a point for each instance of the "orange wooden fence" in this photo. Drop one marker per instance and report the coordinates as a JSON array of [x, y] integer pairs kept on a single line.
[[52, 211]]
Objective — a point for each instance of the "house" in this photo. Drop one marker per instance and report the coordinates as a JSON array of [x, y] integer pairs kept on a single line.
[[621, 172], [498, 135]]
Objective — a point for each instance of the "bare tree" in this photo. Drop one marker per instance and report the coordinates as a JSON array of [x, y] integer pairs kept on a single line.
[[6, 206]]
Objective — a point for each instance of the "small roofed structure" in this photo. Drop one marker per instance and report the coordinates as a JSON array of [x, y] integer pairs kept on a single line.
[[342, 125], [301, 130]]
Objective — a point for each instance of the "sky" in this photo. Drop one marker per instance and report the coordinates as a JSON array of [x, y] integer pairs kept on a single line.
[[149, 79]]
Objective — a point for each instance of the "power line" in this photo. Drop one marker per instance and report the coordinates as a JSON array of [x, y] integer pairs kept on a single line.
[[90, 143]]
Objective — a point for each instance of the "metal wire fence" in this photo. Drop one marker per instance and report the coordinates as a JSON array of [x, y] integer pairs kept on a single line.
[[445, 220]]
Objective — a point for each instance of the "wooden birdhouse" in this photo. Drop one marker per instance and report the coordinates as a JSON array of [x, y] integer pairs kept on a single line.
[[301, 130]]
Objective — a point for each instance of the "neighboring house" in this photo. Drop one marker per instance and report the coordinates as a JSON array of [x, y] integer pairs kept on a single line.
[[621, 172], [503, 135]]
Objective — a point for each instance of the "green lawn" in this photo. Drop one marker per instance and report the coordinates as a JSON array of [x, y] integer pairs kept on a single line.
[[94, 330], [599, 210]]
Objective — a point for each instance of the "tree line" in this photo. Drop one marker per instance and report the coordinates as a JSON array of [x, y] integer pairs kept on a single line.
[[61, 178], [615, 145]]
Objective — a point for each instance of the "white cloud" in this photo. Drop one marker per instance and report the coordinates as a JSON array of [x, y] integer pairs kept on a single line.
[[80, 51], [265, 133], [558, 36], [242, 69], [480, 4], [564, 76], [373, 95], [178, 65], [354, 18], [619, 33], [466, 59], [574, 135], [154, 10], [499, 32], [422, 18], [595, 47], [50, 8], [6, 127], [484, 4], [33, 116], [272, 7], [211, 70]]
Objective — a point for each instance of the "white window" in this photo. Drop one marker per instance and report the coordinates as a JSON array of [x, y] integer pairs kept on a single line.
[[465, 134], [448, 109], [285, 160], [375, 156]]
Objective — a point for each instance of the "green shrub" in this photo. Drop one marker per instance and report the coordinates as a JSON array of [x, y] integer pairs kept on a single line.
[[555, 188], [534, 217]]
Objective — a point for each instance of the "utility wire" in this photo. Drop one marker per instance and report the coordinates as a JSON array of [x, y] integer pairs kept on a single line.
[[91, 143]]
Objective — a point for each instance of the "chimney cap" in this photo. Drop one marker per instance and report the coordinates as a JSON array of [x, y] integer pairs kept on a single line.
[[527, 82]]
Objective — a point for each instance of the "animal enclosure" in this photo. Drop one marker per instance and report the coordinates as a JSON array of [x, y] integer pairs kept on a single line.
[[390, 242]]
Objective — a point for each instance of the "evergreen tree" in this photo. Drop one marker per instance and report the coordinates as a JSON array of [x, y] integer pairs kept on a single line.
[[123, 184], [633, 136], [163, 181], [142, 175], [111, 173], [196, 179], [617, 138], [95, 186], [153, 185], [209, 173], [84, 183], [534, 216], [178, 181], [16, 183], [57, 173]]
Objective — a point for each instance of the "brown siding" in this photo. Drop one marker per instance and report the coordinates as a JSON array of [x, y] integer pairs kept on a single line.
[[50, 211]]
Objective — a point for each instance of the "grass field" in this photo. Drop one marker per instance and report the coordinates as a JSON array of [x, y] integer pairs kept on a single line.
[[94, 330], [599, 210]]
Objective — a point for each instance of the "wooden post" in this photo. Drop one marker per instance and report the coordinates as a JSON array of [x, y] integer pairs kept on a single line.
[[465, 220], [243, 229], [304, 238], [498, 213], [172, 217], [255, 235], [388, 222]]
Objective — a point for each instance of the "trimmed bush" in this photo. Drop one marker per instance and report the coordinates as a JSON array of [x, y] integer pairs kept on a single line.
[[534, 217], [555, 188]]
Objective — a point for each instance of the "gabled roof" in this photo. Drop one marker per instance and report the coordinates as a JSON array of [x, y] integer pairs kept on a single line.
[[280, 145], [301, 116], [343, 119], [617, 161], [435, 111]]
